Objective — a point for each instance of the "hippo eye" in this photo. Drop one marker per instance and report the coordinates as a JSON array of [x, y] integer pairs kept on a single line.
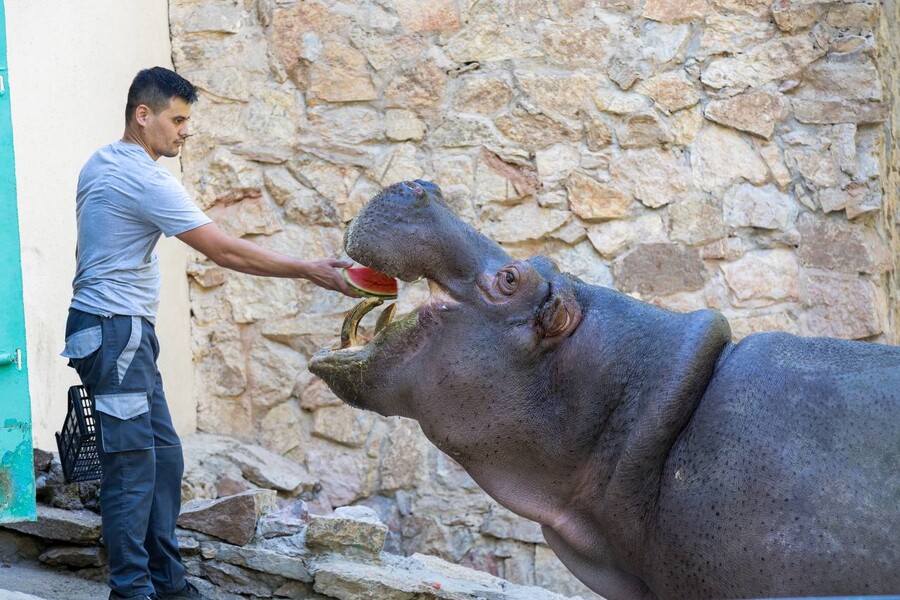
[[508, 280]]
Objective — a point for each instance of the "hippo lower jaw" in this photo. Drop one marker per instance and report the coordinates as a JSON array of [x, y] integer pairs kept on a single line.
[[353, 369]]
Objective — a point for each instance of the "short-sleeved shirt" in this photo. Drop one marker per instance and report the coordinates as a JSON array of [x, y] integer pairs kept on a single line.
[[125, 201]]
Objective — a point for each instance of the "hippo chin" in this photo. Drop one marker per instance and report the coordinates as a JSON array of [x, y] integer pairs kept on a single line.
[[662, 460]]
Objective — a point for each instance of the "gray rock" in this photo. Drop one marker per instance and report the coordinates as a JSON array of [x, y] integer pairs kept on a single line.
[[74, 526], [233, 519]]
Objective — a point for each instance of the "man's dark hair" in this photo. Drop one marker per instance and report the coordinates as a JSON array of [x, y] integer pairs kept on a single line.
[[155, 87]]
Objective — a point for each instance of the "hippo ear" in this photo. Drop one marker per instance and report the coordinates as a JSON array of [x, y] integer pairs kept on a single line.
[[560, 316]]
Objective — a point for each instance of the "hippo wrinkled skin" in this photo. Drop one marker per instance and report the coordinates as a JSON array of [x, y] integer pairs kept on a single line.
[[661, 459]]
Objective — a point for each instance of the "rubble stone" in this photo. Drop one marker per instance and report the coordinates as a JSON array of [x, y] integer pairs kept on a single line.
[[232, 519]]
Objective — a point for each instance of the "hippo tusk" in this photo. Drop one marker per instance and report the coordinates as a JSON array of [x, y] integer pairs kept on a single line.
[[385, 318], [351, 321]]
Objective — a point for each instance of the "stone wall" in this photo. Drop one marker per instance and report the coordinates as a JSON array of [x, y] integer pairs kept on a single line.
[[731, 154]]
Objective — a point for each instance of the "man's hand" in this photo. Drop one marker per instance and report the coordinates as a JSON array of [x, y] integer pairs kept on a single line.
[[324, 272], [244, 256]]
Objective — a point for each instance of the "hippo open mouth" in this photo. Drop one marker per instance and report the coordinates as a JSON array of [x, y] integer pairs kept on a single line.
[[407, 231]]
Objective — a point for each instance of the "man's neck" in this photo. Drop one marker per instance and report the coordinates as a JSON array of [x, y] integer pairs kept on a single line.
[[132, 137]]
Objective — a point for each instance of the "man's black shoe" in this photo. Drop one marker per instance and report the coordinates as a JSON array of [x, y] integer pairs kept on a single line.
[[115, 596], [188, 592]]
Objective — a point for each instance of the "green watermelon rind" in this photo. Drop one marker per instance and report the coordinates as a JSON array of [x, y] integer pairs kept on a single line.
[[368, 291]]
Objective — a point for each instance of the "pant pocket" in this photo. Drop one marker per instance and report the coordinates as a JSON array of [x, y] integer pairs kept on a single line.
[[124, 420]]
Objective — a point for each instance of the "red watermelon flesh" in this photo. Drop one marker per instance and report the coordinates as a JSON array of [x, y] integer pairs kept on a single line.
[[370, 282]]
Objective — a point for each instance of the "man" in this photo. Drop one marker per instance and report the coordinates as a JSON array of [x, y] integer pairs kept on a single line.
[[125, 201]]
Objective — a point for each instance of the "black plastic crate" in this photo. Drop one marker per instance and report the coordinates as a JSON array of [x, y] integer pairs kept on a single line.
[[77, 442]]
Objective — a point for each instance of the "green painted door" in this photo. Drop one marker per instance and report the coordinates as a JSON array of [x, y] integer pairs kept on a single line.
[[16, 462]]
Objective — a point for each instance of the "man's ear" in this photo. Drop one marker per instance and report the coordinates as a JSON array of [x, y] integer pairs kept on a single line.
[[561, 314], [141, 113]]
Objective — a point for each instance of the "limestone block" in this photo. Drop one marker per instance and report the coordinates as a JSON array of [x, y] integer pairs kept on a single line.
[[343, 424], [722, 157], [403, 458], [675, 11], [400, 163], [383, 52], [238, 580], [402, 124], [571, 233], [418, 86], [346, 474], [770, 61], [252, 214], [270, 470], [659, 269], [272, 119], [279, 431], [655, 177], [832, 243], [340, 74], [686, 124], [219, 349], [224, 17], [843, 147], [334, 182], [556, 163], [792, 17], [565, 95], [535, 131], [575, 45], [486, 40], [853, 78], [457, 131], [753, 112], [525, 222], [671, 91], [346, 125], [597, 134], [499, 180], [260, 560], [74, 556], [595, 201], [618, 102], [482, 94], [695, 222], [764, 277], [643, 130], [75, 526], [232, 519], [814, 163], [856, 199], [745, 205], [227, 83], [841, 305], [582, 261], [612, 238], [774, 158], [825, 112], [856, 15], [782, 320], [273, 370], [289, 522], [349, 529], [431, 15], [416, 577], [317, 395], [732, 34]]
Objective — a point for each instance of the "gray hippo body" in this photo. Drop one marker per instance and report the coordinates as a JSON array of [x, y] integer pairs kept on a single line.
[[662, 460]]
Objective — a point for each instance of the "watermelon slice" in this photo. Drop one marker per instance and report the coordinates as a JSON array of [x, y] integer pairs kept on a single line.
[[370, 282]]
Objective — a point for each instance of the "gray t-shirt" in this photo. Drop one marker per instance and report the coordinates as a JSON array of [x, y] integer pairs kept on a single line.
[[125, 201]]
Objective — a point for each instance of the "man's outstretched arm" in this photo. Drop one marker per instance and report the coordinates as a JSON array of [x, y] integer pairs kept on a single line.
[[244, 256]]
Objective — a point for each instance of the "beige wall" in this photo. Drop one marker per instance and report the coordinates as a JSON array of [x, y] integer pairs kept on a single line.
[[70, 66]]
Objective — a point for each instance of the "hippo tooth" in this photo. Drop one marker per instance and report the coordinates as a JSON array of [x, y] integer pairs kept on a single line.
[[385, 318], [351, 321]]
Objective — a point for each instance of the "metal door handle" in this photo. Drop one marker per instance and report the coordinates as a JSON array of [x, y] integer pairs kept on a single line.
[[12, 358]]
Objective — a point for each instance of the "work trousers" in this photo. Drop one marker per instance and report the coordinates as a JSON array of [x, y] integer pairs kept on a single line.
[[140, 453]]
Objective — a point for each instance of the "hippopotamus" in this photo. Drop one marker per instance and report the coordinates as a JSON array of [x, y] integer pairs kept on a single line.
[[661, 459]]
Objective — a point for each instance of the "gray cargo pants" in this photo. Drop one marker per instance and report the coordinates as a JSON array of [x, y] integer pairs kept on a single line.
[[140, 491]]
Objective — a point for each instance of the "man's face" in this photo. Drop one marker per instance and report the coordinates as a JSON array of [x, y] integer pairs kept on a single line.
[[165, 132]]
